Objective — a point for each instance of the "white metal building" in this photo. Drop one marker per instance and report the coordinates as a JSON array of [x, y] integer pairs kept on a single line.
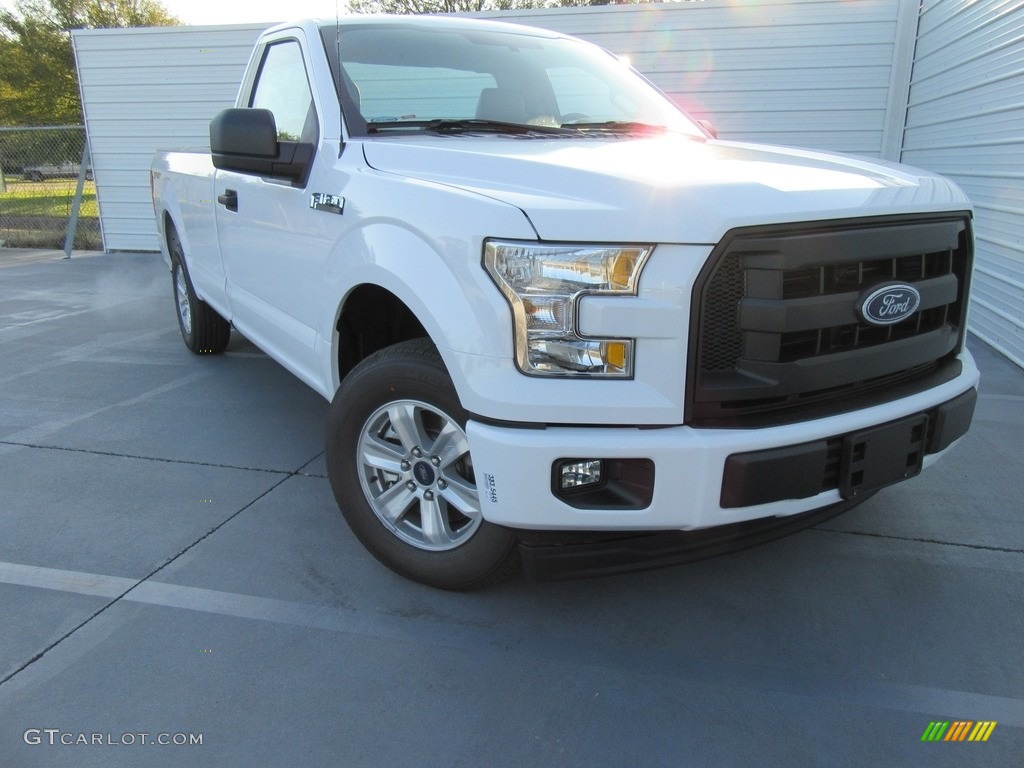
[[936, 83], [150, 89], [965, 119]]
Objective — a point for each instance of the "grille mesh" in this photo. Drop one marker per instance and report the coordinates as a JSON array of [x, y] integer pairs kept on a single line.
[[722, 342]]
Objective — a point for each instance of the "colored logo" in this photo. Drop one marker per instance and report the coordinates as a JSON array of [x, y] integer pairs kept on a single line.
[[958, 730], [889, 304]]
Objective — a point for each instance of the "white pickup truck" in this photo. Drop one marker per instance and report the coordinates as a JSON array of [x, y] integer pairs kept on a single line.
[[557, 319]]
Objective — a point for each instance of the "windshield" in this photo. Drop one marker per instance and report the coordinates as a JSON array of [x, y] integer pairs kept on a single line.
[[402, 77]]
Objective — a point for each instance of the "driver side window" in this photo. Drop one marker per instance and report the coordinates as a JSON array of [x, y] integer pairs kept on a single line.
[[283, 88]]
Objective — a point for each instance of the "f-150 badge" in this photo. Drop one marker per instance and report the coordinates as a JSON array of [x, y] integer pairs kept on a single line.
[[319, 201]]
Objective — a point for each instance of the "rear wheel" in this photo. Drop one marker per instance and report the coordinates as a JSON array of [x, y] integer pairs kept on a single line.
[[203, 330], [399, 463]]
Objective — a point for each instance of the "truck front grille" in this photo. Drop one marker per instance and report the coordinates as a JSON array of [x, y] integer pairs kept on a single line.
[[777, 336]]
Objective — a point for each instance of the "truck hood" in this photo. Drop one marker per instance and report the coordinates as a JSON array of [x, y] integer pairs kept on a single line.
[[668, 189]]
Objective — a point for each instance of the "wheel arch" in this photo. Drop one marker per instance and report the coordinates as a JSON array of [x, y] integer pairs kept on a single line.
[[397, 284], [167, 224], [370, 319]]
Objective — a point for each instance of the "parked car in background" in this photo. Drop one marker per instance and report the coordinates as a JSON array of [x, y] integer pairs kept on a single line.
[[66, 170]]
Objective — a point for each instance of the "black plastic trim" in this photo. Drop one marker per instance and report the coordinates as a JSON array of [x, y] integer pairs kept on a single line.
[[807, 469], [884, 455], [756, 379], [749, 365], [952, 420], [770, 316], [760, 477], [558, 556]]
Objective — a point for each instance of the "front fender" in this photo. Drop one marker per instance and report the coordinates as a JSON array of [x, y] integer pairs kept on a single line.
[[441, 281]]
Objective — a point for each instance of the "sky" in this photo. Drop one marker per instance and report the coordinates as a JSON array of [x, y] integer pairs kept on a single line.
[[197, 12]]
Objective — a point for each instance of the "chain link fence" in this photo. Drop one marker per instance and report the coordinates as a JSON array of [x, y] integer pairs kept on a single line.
[[47, 198]]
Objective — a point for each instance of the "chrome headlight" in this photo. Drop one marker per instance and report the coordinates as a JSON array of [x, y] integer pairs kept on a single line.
[[544, 284]]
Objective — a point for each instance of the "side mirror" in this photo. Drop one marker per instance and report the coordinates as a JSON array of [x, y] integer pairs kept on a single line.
[[245, 141]]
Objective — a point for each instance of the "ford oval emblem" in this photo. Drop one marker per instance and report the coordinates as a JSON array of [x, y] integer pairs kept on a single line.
[[889, 304]]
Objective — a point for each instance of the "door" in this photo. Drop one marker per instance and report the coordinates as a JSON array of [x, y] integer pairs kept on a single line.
[[274, 245]]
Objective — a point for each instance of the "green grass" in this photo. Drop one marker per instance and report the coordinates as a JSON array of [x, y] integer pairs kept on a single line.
[[35, 214], [47, 198]]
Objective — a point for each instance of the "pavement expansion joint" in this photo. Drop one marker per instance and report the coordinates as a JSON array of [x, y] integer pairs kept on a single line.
[[115, 454], [148, 576], [917, 540]]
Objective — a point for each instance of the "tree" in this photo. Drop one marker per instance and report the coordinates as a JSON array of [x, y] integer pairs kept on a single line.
[[38, 82]]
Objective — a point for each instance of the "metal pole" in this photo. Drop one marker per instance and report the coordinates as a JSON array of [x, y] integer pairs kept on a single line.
[[69, 237]]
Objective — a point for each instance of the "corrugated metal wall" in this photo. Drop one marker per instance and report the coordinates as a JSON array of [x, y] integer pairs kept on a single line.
[[965, 119], [149, 89], [809, 73]]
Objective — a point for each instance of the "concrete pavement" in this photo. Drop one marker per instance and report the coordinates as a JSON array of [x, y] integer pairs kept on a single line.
[[173, 568]]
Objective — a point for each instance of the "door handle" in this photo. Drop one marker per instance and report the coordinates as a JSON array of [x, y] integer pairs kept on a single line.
[[229, 199]]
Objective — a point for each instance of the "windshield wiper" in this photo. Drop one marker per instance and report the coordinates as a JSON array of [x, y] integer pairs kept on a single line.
[[617, 126], [467, 125]]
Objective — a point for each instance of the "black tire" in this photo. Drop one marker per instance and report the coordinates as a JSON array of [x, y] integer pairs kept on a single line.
[[400, 469], [203, 330]]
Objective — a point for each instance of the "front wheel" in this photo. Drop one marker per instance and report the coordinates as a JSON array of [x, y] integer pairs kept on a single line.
[[399, 463]]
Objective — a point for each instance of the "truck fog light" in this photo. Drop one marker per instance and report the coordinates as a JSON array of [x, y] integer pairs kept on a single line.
[[603, 483], [580, 473]]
